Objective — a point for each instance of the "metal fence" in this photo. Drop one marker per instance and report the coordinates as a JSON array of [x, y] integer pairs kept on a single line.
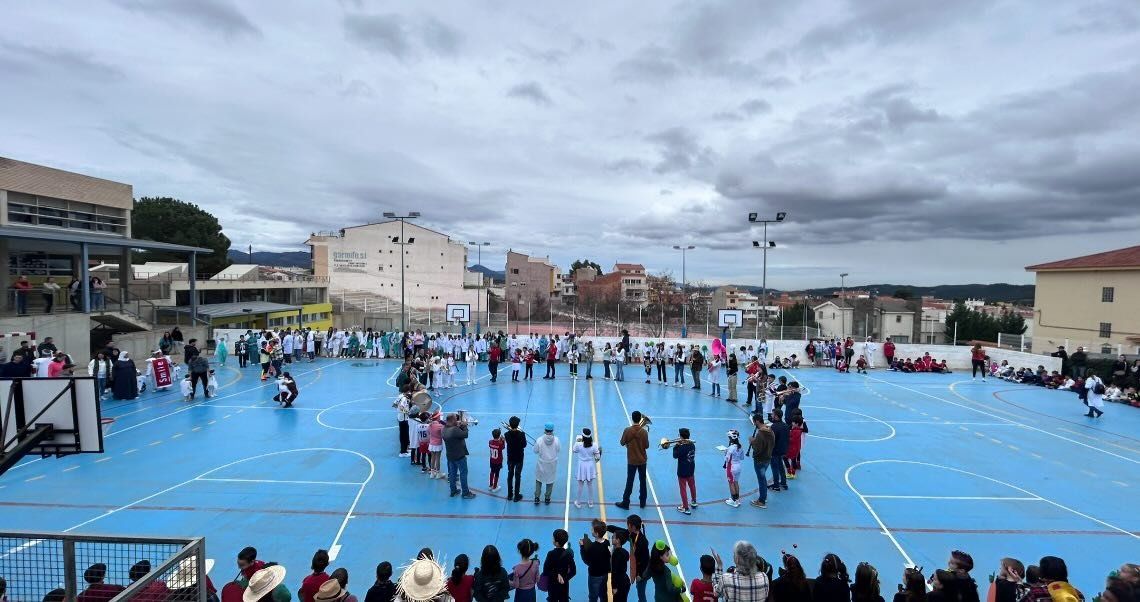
[[59, 566]]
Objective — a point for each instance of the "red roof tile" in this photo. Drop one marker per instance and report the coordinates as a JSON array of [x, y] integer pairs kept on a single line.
[[1128, 257]]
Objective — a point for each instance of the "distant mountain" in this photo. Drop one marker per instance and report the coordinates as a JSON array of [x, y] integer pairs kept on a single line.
[[496, 276], [285, 259], [1009, 293]]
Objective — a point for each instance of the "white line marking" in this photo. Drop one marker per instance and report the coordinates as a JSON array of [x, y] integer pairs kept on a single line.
[[954, 497], [36, 478], [653, 491], [285, 481], [70, 468], [1121, 483], [571, 464], [103, 459], [130, 451], [992, 415]]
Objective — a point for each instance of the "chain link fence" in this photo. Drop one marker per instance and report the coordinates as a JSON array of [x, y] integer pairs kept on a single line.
[[57, 566]]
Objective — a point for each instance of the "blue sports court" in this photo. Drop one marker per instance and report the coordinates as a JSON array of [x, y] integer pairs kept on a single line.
[[898, 469]]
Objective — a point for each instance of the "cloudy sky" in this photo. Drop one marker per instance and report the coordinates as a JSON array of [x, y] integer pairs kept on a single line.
[[910, 141]]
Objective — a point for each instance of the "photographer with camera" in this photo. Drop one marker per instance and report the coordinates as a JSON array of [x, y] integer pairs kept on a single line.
[[455, 442]]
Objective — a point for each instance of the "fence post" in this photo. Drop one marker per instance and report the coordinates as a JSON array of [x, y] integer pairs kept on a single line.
[[1023, 343], [69, 575]]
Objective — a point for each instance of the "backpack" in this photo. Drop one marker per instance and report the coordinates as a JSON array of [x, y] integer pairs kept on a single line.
[[1099, 388]]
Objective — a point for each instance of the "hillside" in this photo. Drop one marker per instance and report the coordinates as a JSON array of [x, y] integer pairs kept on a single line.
[[495, 275], [1010, 293], [285, 259]]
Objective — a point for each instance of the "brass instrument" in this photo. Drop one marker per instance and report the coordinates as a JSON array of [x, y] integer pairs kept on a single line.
[[466, 418], [666, 442], [422, 401], [646, 422], [507, 427]]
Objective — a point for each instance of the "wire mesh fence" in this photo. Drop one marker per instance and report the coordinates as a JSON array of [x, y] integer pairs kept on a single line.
[[54, 566]]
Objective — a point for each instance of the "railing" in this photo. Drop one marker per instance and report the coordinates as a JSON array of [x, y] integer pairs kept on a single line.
[[38, 564]]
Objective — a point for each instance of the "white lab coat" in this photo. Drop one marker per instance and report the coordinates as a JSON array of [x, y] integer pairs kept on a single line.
[[1095, 400], [870, 348], [546, 449]]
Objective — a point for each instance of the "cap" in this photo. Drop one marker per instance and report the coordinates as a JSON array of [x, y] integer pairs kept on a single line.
[[549, 427]]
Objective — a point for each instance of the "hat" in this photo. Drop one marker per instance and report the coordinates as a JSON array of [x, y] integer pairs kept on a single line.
[[186, 573], [735, 434], [330, 591], [421, 581], [586, 432], [262, 582], [549, 427]]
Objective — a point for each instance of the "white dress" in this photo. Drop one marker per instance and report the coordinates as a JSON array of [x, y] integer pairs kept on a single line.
[[587, 461]]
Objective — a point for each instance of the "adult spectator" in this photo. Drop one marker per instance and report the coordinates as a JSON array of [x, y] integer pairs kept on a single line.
[[20, 289], [97, 590], [190, 351], [124, 378], [48, 290], [16, 367], [333, 590], [1079, 362], [199, 372], [889, 351], [913, 587], [763, 441], [782, 436], [744, 582], [491, 583], [46, 348], [792, 585], [866, 587], [516, 450], [1064, 355], [635, 440], [383, 590], [1120, 371], [455, 443], [176, 337]]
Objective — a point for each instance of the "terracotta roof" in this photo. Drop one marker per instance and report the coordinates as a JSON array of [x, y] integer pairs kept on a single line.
[[628, 266], [1128, 257]]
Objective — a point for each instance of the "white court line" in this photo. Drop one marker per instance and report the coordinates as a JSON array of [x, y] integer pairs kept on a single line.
[[286, 482], [886, 531], [570, 453], [991, 415], [653, 491], [954, 497]]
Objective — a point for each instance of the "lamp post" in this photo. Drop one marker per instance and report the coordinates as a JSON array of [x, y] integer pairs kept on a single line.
[[400, 240], [843, 298], [755, 218], [684, 286], [518, 307], [478, 300]]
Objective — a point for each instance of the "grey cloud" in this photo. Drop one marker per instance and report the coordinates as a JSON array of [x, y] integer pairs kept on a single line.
[[357, 89], [402, 36], [755, 106], [680, 151], [626, 164], [1103, 17], [531, 91], [730, 116], [210, 15], [650, 64], [887, 22], [55, 61]]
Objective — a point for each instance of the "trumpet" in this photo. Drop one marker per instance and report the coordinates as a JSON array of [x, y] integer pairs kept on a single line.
[[466, 418], [507, 427], [666, 442]]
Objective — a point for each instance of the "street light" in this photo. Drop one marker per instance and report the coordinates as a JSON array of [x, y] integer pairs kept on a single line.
[[843, 298], [764, 298], [478, 300], [400, 240], [754, 218], [518, 307], [684, 294]]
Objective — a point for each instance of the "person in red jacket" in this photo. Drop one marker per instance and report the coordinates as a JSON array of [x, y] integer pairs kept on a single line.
[[494, 356], [551, 357], [795, 444], [978, 361], [889, 351]]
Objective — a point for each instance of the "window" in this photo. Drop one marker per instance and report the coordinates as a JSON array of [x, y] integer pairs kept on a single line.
[[1105, 329], [59, 213], [900, 339], [381, 268], [898, 319], [514, 270], [1107, 293], [819, 315]]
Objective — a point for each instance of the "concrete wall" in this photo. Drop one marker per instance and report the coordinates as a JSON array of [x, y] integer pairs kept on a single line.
[[72, 332]]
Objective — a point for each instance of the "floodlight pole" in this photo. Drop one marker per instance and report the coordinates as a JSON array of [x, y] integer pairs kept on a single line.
[[754, 218], [403, 243], [684, 294], [479, 247]]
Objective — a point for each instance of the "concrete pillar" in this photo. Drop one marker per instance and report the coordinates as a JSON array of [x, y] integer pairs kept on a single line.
[[125, 274], [84, 277], [192, 267]]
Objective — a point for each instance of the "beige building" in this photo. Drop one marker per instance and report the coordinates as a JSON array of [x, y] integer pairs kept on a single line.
[[878, 318], [365, 260], [634, 285], [731, 297], [531, 282], [1090, 301]]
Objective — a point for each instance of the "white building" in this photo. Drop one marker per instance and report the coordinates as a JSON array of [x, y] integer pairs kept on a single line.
[[366, 260]]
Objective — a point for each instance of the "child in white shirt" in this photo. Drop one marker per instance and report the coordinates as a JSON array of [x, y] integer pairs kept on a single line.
[[572, 359], [186, 388], [212, 384]]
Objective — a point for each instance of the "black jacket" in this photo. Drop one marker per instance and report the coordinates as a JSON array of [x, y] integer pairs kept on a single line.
[[596, 555], [781, 431]]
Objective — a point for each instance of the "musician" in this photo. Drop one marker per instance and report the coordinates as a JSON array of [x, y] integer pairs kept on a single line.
[[635, 440], [403, 405], [685, 453], [516, 449], [455, 440], [756, 376], [761, 444]]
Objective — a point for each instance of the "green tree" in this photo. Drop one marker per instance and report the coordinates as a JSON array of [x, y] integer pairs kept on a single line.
[[903, 293], [585, 263], [165, 219], [799, 315], [1011, 323]]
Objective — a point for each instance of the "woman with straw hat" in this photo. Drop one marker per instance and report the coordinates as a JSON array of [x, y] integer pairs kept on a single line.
[[422, 581], [183, 582], [267, 585]]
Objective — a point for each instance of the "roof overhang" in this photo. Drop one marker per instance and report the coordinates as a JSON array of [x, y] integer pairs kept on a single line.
[[46, 238]]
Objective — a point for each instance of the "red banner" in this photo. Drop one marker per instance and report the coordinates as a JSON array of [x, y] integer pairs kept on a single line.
[[162, 377]]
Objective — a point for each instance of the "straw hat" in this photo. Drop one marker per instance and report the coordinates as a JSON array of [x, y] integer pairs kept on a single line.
[[421, 581], [186, 573], [330, 591], [262, 582]]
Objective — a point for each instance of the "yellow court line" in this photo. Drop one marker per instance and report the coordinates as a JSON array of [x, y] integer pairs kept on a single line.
[[601, 484]]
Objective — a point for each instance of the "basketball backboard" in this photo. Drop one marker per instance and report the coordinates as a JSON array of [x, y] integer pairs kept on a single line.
[[729, 318], [458, 312], [70, 406]]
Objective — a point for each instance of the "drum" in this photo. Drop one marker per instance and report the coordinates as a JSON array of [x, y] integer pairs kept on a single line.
[[421, 401]]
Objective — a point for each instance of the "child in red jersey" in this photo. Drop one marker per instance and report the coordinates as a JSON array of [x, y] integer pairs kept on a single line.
[[795, 444], [496, 445], [702, 587]]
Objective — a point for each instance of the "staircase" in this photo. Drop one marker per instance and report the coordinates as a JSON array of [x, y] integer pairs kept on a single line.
[[365, 301]]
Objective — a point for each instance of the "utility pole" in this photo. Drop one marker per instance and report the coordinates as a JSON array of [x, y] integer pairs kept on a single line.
[[478, 300], [400, 240], [684, 291], [755, 218], [843, 299]]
